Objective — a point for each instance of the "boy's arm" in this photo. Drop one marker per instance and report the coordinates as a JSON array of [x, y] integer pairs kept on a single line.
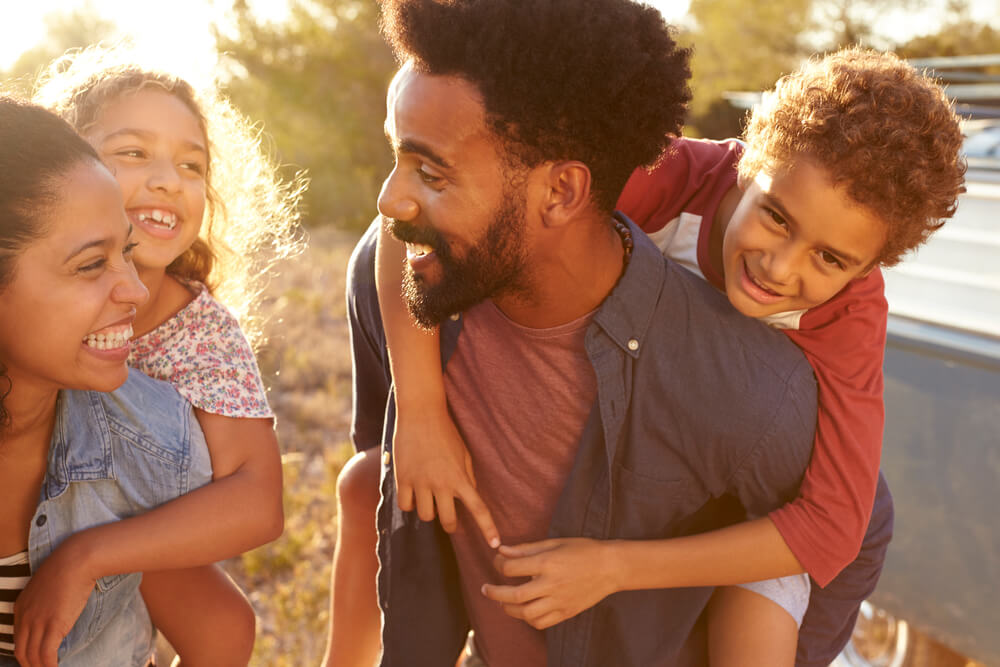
[[844, 343], [432, 465], [570, 575], [239, 510]]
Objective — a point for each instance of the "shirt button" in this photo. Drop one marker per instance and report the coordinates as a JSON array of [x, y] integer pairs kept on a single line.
[[633, 344], [454, 317], [40, 521], [386, 457]]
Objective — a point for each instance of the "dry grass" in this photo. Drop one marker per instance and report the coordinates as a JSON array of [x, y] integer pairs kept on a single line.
[[307, 369]]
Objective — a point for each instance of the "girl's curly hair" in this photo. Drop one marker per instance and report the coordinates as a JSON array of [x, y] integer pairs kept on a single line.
[[883, 131], [251, 214]]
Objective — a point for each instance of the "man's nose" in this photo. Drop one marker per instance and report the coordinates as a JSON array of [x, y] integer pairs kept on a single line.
[[394, 201]]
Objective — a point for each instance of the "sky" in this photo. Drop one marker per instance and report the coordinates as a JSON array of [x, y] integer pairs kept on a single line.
[[187, 21]]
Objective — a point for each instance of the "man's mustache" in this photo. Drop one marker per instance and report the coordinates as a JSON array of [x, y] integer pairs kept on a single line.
[[410, 233]]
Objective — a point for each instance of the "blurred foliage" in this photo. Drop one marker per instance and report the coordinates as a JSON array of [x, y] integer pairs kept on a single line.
[[958, 35], [317, 81], [63, 31]]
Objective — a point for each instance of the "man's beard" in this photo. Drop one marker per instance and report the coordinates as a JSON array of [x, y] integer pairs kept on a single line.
[[493, 267]]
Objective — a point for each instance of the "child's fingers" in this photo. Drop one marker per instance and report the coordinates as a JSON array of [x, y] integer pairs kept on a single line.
[[481, 515], [529, 548], [425, 504], [404, 498], [512, 595], [446, 511]]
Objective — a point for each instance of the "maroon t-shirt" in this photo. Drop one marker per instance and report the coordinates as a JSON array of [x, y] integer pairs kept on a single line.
[[522, 450]]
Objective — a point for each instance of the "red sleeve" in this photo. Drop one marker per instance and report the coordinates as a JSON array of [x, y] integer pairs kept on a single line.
[[690, 170], [844, 341]]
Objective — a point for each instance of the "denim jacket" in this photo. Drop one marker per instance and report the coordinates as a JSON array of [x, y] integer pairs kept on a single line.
[[112, 456], [701, 414]]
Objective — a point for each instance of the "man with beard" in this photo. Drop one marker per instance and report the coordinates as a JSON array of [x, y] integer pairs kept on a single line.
[[602, 391]]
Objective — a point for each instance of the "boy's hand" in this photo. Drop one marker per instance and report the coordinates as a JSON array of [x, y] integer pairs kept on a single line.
[[568, 576], [433, 468], [48, 607]]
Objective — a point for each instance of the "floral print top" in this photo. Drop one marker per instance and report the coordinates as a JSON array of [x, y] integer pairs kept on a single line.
[[203, 353]]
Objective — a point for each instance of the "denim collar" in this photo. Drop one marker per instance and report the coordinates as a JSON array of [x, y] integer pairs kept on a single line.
[[81, 417]]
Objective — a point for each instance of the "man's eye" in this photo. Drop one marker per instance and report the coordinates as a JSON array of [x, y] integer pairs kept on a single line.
[[427, 177], [130, 152]]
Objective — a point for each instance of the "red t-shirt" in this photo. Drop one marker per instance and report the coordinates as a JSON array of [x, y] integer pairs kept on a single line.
[[843, 339], [522, 450]]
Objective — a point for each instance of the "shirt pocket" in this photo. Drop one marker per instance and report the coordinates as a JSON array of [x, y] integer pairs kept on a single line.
[[648, 507], [110, 596]]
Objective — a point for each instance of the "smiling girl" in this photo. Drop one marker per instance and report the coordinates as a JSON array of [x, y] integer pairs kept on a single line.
[[210, 216]]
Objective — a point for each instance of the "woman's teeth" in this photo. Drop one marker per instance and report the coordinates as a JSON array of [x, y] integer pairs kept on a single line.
[[160, 218], [111, 340]]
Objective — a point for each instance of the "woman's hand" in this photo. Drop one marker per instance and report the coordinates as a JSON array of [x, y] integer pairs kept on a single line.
[[568, 576], [433, 469], [49, 605]]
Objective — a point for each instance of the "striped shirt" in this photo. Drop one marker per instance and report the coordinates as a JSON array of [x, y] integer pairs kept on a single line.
[[15, 571]]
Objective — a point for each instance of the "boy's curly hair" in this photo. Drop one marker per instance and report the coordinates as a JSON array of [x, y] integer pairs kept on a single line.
[[251, 213], [883, 131], [599, 81]]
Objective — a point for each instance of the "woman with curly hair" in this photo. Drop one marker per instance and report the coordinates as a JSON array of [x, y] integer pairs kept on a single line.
[[210, 216]]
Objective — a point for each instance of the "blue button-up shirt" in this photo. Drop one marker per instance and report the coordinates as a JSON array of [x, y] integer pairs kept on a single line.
[[702, 415], [112, 456]]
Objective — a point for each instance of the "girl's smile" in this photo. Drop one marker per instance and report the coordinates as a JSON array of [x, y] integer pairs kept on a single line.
[[157, 150]]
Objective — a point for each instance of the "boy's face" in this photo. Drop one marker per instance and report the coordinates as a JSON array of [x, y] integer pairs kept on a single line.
[[795, 240]]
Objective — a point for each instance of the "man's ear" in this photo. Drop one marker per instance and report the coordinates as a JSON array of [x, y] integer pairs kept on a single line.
[[567, 188]]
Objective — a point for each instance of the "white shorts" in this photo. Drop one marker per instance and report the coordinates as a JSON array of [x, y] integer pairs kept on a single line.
[[790, 593]]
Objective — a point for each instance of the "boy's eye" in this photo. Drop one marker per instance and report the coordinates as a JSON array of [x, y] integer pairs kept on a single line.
[[127, 250], [831, 259], [776, 217], [131, 152]]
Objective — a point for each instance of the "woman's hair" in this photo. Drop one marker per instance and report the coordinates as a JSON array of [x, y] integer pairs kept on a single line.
[[880, 129], [37, 150], [251, 214]]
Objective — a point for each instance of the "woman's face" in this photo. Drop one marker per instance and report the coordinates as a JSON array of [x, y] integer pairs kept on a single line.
[[153, 144], [67, 311]]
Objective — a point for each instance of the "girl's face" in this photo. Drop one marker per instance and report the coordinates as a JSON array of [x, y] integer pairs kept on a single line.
[[152, 143], [67, 311]]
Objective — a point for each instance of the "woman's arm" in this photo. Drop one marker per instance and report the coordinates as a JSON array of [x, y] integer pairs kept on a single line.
[[570, 575], [432, 465], [239, 510]]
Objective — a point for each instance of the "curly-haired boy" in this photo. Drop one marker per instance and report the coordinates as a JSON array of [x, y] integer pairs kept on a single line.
[[849, 163]]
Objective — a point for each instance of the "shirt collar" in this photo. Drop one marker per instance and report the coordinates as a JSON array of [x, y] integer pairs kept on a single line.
[[81, 441], [626, 313]]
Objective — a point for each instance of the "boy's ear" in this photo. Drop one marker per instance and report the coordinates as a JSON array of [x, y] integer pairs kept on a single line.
[[743, 181], [567, 192], [868, 270]]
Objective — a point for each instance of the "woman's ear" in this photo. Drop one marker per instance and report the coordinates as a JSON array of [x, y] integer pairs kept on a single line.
[[567, 192]]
